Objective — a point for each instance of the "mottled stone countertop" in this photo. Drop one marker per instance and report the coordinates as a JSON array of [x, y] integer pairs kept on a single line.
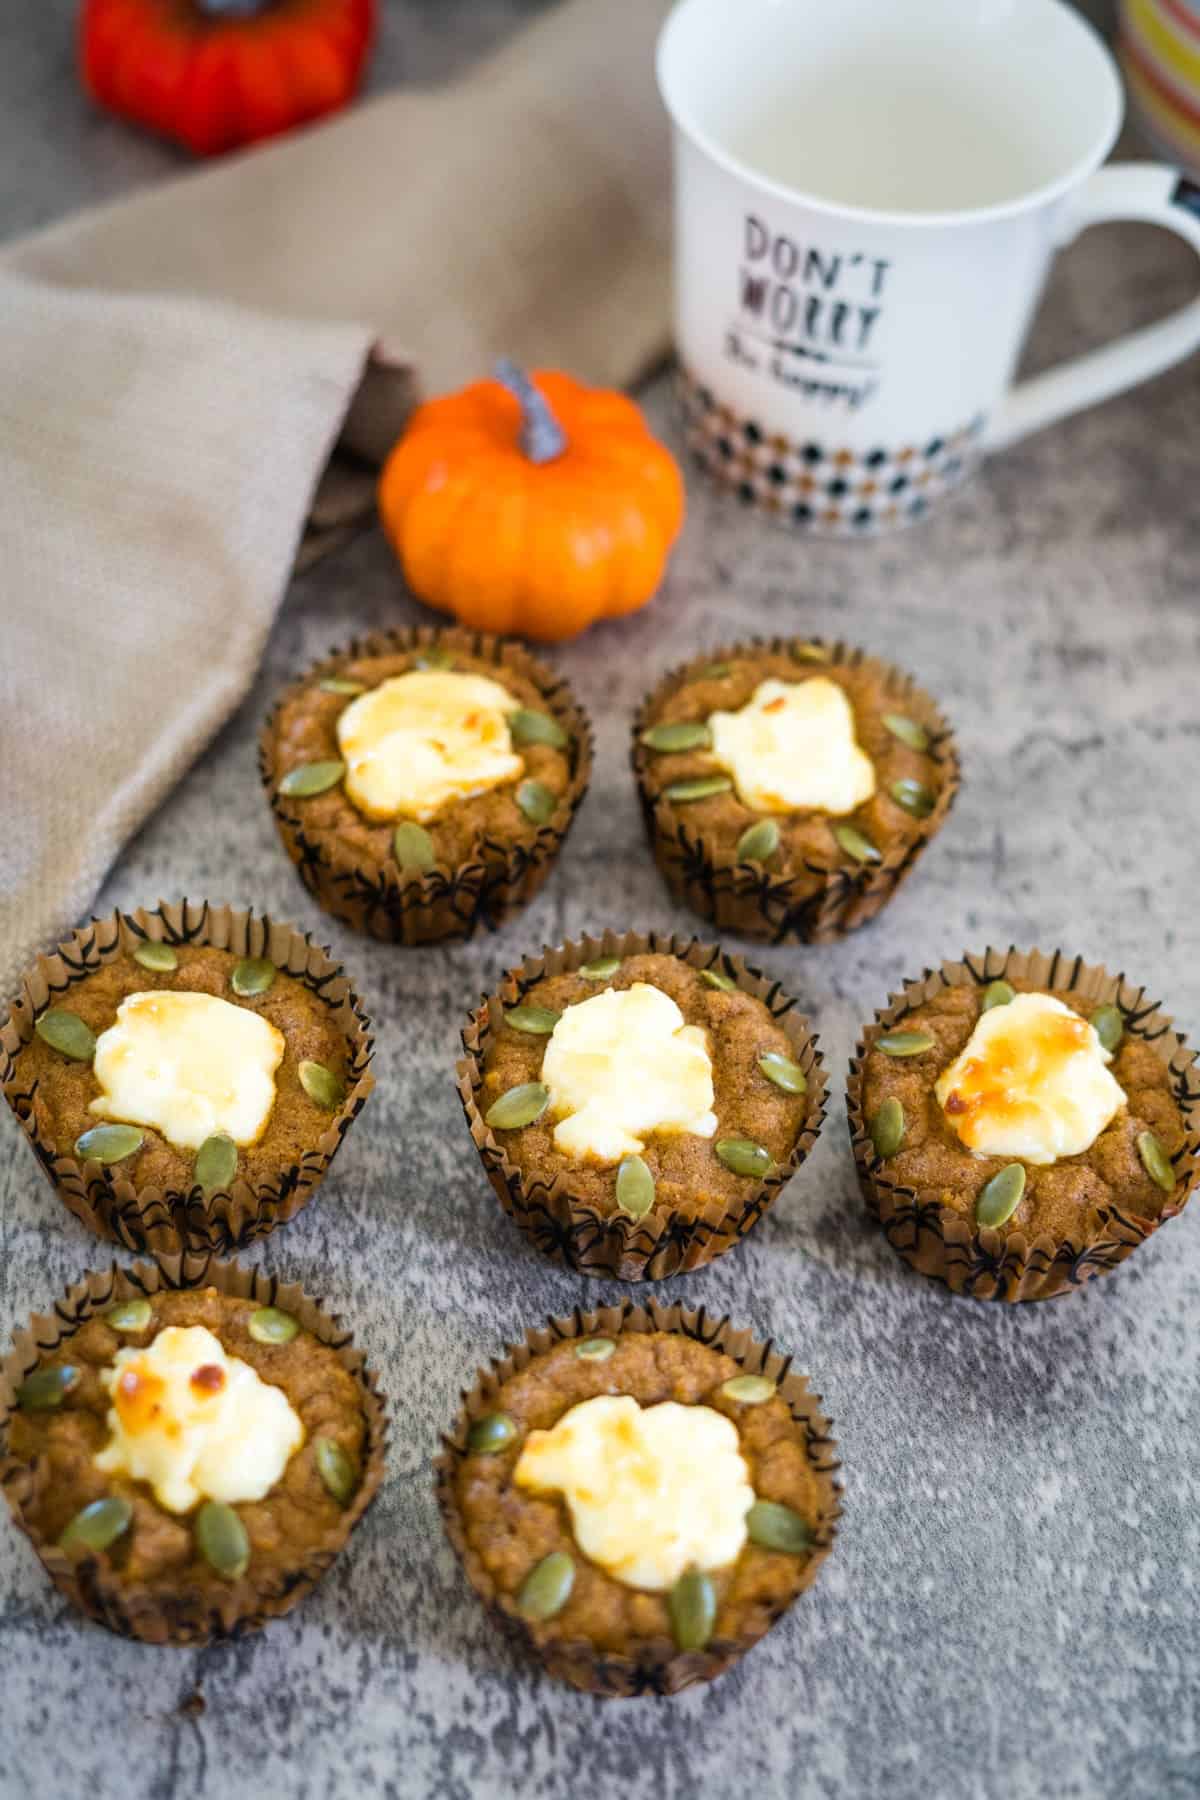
[[1011, 1610]]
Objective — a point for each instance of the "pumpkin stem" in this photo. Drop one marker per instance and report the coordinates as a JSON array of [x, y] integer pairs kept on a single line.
[[542, 437]]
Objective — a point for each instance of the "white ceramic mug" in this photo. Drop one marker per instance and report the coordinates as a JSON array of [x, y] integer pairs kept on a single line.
[[868, 196]]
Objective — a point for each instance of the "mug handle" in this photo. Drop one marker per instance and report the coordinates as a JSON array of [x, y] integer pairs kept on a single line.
[[1160, 195]]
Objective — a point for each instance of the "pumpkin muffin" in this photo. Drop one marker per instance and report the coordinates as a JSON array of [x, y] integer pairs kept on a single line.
[[187, 1447], [186, 1076], [639, 1102], [423, 781], [1022, 1122], [788, 786], [641, 1494]]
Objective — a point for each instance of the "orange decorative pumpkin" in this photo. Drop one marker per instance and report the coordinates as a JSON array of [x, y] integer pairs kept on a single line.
[[531, 506], [214, 74]]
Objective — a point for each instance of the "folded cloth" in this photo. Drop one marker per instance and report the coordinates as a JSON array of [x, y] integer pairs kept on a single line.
[[174, 369]]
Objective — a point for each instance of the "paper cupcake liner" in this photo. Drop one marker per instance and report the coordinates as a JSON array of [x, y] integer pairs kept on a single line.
[[446, 902], [820, 904], [575, 1232], [659, 1667], [989, 1264], [162, 1220], [194, 1615]]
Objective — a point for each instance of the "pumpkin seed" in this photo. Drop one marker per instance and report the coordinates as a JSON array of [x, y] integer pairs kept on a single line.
[[855, 845], [434, 656], [773, 1526], [46, 1389], [602, 969], [907, 730], [748, 1390], [785, 1073], [336, 1469], [701, 787], [1108, 1023], [98, 1525], [271, 1325], [341, 684], [802, 652], [412, 847], [742, 1157], [716, 671], [529, 727], [758, 843], [222, 1541], [216, 1163], [66, 1032], [635, 1187], [887, 1128], [521, 1106], [715, 978], [914, 797], [322, 1086], [1000, 1197], [1156, 1162], [537, 1021], [597, 1349], [904, 1043], [495, 1431], [253, 975], [678, 734], [162, 958], [692, 1604], [536, 801], [129, 1315], [547, 1588], [109, 1143], [307, 779], [998, 993]]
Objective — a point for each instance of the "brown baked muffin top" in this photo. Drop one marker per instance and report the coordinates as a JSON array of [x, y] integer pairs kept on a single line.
[[513, 1527], [1065, 1198], [64, 1421], [687, 1170]]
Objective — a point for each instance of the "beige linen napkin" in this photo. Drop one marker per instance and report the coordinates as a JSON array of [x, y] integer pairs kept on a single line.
[[174, 369]]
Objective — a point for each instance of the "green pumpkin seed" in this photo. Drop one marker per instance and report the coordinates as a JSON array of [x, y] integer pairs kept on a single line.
[[434, 656], [1108, 1023], [109, 1143], [221, 1540], [692, 1604], [914, 797], [773, 1526], [129, 1315], [307, 779], [521, 1106], [323, 1087], [66, 1032], [271, 1325], [412, 847], [537, 802], [855, 845], [216, 1163], [98, 1525], [742, 1157], [529, 727], [162, 958], [785, 1073], [1156, 1162], [495, 1431], [808, 652], [758, 843], [602, 969], [716, 671], [253, 975], [904, 1043], [1000, 1197], [336, 1470], [597, 1349], [715, 978], [547, 1588], [341, 684], [678, 734], [887, 1128], [748, 1390], [537, 1021], [635, 1187], [702, 787], [907, 730], [46, 1389], [998, 993]]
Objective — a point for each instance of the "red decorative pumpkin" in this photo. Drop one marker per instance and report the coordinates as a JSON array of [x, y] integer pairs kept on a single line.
[[214, 74]]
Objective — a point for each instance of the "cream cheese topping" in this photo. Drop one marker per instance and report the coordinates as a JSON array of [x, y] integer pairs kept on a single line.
[[622, 1065], [792, 748], [195, 1423], [1032, 1083], [188, 1065], [651, 1492], [423, 739]]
